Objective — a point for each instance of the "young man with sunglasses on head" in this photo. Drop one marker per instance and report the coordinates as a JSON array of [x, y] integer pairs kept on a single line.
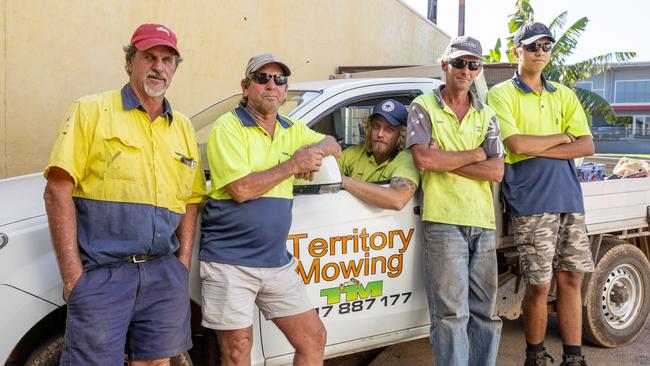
[[455, 143], [381, 159], [544, 128], [254, 154]]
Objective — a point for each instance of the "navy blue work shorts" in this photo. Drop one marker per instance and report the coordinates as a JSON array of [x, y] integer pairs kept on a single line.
[[143, 308]]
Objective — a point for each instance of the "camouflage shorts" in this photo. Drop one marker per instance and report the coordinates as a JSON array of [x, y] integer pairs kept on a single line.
[[552, 242]]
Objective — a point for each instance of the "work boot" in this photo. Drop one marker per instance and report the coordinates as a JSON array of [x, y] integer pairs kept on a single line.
[[537, 358], [573, 360]]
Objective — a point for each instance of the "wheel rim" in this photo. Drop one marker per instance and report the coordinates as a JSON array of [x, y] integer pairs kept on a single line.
[[622, 296]]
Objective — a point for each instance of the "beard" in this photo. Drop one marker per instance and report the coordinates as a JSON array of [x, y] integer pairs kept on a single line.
[[381, 148], [153, 92]]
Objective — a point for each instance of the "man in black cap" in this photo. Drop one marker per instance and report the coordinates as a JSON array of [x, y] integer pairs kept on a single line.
[[544, 128], [455, 142], [381, 159]]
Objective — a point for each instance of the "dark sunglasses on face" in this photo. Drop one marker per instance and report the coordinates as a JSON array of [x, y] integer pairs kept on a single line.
[[533, 47], [459, 63], [263, 78]]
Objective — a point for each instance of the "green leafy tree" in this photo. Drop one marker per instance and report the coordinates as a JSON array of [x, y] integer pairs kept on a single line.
[[557, 69]]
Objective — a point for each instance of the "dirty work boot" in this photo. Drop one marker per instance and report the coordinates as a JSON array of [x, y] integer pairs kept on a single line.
[[537, 358], [573, 360]]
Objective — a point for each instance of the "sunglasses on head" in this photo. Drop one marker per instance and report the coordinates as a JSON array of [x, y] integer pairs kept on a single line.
[[263, 78], [459, 63], [533, 47]]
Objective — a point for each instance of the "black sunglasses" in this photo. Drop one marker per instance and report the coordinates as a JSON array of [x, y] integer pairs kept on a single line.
[[459, 63], [263, 78], [533, 47]]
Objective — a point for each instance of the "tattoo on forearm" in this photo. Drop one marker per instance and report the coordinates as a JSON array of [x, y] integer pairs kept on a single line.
[[403, 183]]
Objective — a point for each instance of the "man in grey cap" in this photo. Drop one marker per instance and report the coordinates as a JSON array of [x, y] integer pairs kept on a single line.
[[544, 128], [455, 142], [381, 159], [254, 154]]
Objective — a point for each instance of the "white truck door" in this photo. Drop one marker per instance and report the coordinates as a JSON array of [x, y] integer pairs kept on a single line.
[[361, 264]]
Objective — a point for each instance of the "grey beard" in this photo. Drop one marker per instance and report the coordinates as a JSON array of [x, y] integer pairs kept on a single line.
[[153, 93]]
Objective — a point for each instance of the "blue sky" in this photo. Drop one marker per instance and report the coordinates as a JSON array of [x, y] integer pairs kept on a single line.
[[614, 25]]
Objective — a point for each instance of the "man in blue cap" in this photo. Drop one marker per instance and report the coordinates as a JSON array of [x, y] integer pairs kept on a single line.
[[381, 159]]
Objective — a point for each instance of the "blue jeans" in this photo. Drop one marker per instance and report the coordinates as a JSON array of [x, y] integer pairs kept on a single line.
[[461, 283]]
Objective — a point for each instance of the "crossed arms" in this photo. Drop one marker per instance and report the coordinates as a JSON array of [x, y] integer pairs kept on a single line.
[[472, 164]]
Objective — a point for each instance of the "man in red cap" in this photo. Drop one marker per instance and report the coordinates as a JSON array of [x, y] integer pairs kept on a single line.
[[123, 186]]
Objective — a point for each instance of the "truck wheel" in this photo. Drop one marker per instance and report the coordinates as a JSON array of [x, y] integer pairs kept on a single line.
[[49, 353], [617, 296], [181, 360]]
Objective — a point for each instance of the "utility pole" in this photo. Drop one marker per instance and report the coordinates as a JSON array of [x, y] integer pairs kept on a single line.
[[432, 11], [461, 17]]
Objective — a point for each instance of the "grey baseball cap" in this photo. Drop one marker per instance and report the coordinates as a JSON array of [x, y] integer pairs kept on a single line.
[[257, 62], [464, 46], [530, 32]]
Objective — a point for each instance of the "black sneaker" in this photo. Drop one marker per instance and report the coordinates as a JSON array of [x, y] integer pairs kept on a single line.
[[573, 360], [537, 358]]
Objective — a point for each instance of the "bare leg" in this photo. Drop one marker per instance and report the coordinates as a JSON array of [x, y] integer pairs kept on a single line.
[[569, 303], [307, 335], [235, 346], [535, 312]]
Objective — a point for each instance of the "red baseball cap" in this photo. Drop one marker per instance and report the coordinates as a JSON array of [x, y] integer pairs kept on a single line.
[[150, 35]]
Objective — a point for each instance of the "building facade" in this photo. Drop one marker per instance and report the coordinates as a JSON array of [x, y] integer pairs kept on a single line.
[[55, 52], [626, 86]]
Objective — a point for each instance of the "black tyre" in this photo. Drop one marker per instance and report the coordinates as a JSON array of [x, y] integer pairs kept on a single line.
[[49, 353], [617, 295]]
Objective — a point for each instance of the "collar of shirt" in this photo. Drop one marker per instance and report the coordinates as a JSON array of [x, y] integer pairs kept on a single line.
[[437, 93], [248, 121], [130, 101], [516, 80]]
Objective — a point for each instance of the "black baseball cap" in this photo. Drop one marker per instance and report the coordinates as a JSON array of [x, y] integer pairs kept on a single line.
[[530, 32], [394, 112]]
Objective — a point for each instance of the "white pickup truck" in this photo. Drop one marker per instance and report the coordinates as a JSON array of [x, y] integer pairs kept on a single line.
[[361, 264]]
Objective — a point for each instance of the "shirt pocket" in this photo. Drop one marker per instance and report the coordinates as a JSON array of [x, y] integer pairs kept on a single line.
[[185, 179], [123, 157]]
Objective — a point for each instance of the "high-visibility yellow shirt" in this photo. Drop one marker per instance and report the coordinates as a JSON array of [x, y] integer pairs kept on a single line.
[[359, 163], [133, 176]]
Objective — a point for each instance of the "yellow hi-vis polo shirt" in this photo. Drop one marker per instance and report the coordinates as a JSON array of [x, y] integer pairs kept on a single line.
[[524, 111], [252, 233], [133, 176], [534, 185], [357, 162], [448, 197]]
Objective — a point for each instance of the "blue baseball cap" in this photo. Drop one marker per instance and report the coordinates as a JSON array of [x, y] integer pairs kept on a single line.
[[394, 112]]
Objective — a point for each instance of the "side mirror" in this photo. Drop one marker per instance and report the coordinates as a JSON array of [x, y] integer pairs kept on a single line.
[[326, 180]]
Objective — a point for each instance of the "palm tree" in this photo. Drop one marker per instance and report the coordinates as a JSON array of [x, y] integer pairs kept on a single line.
[[556, 69]]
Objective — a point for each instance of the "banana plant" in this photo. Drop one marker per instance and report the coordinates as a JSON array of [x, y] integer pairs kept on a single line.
[[557, 69]]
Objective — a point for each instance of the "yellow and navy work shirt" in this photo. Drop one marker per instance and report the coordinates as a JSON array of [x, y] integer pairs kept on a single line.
[[252, 233], [357, 162], [133, 176], [448, 197], [535, 185]]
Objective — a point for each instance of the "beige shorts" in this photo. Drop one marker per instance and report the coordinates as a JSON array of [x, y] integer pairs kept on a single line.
[[229, 293]]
